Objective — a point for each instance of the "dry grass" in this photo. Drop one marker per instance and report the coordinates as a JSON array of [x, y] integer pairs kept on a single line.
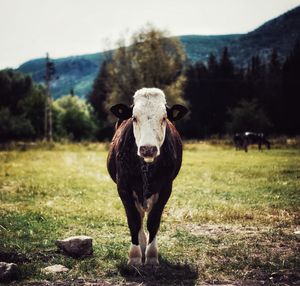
[[232, 216]]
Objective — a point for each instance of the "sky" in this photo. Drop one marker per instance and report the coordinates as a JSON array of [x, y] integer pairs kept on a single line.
[[30, 28]]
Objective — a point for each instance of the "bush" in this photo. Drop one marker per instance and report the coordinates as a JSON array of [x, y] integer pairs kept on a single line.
[[22, 105], [246, 116], [14, 127], [73, 119]]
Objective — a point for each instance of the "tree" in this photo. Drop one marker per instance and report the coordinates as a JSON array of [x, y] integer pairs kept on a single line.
[[33, 108], [290, 99], [14, 87], [73, 119], [152, 60], [211, 90], [100, 90], [247, 116], [257, 69], [21, 107], [212, 65], [198, 92], [14, 127], [270, 91], [274, 67], [226, 68], [222, 89]]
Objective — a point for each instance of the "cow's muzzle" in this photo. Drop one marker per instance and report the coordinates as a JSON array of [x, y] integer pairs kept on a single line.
[[148, 153]]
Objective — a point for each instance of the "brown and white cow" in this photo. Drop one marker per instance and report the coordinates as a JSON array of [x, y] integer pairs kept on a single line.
[[144, 158]]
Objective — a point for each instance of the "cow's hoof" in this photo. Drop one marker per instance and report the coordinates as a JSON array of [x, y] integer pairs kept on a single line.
[[152, 253], [135, 261], [152, 261], [135, 255]]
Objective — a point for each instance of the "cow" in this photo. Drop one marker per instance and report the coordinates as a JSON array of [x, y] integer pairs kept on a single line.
[[243, 140], [144, 158]]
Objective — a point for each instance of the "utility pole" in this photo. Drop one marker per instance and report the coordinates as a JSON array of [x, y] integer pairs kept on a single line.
[[50, 71]]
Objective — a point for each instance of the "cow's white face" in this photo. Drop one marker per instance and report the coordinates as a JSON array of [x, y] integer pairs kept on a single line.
[[149, 116]]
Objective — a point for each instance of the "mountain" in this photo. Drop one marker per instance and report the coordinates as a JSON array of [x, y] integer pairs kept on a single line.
[[280, 33], [78, 72], [198, 47]]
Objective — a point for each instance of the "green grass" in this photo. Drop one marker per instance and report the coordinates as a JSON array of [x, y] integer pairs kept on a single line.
[[231, 217]]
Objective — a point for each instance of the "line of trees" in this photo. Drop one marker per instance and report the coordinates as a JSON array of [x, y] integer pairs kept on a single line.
[[263, 97], [153, 59], [22, 111], [222, 98]]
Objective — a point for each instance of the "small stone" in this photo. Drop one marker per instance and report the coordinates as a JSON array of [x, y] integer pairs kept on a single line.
[[76, 246], [8, 272], [57, 268]]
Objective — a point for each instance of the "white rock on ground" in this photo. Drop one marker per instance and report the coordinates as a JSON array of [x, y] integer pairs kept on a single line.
[[8, 271], [76, 246], [57, 268]]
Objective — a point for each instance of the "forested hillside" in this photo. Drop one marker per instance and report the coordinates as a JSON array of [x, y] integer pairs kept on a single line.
[[78, 72], [226, 87]]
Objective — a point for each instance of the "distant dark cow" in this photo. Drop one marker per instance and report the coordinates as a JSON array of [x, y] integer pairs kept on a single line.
[[243, 140], [144, 158]]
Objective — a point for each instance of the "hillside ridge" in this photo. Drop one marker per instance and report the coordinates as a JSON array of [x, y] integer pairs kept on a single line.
[[77, 72]]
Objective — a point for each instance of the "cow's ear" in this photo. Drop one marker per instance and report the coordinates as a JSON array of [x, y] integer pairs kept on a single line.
[[121, 111], [176, 112]]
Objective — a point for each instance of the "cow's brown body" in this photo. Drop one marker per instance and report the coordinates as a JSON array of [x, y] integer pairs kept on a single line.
[[125, 168]]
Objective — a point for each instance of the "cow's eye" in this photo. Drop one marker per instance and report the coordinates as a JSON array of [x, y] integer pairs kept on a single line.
[[164, 119], [134, 119]]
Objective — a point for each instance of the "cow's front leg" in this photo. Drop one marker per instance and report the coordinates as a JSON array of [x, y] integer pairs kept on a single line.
[[153, 226], [134, 224], [153, 223], [259, 145]]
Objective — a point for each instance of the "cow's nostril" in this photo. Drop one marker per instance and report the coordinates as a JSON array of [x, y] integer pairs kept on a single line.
[[154, 149], [143, 150], [148, 151]]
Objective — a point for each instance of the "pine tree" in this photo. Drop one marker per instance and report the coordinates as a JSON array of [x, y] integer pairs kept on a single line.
[[274, 67], [212, 65], [226, 66], [290, 99], [100, 91]]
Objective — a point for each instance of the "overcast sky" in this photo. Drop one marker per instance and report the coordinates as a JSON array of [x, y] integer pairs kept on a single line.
[[30, 28]]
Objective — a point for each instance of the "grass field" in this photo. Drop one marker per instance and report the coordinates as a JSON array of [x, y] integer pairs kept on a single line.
[[233, 217]]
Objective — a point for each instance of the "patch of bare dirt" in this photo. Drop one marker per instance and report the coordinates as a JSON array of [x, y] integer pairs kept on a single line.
[[77, 282], [166, 274], [282, 277], [19, 258], [13, 257]]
